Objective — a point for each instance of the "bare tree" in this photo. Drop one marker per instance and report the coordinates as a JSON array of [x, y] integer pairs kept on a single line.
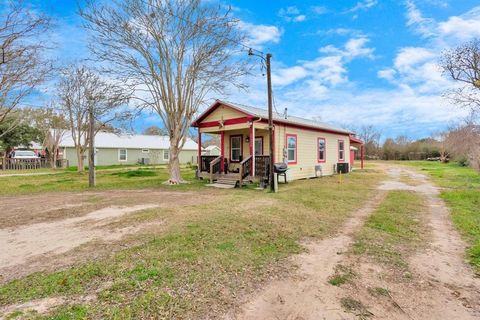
[[371, 138], [174, 52], [462, 64], [82, 90], [52, 126], [22, 63], [155, 131]]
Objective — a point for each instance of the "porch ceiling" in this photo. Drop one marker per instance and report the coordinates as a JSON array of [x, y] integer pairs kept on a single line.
[[218, 130]]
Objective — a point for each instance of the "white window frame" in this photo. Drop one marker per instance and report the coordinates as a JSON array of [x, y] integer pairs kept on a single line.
[[239, 148], [324, 159], [341, 151], [145, 150], [294, 160], [119, 155], [163, 155]]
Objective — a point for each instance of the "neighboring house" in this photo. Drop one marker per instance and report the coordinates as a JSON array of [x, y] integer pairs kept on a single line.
[[309, 148], [114, 149], [211, 151]]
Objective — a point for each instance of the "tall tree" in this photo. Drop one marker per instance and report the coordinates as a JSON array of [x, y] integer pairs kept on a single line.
[[81, 90], [174, 52], [22, 63], [371, 138], [52, 126], [155, 131], [20, 134], [462, 64]]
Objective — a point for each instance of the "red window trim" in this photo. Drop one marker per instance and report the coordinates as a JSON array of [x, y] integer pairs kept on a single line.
[[296, 147], [260, 137], [241, 147], [341, 160], [324, 151]]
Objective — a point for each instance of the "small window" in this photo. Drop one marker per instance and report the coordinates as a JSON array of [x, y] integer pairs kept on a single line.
[[166, 155], [122, 154], [145, 150], [291, 148], [235, 148], [341, 150], [321, 150]]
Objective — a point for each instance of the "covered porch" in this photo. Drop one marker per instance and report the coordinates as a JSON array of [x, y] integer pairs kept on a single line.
[[244, 149], [356, 146]]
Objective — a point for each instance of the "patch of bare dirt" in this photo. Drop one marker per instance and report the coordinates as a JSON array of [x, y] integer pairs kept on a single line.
[[441, 284], [43, 238], [307, 295]]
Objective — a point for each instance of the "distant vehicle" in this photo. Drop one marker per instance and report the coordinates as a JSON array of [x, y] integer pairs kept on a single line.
[[23, 154]]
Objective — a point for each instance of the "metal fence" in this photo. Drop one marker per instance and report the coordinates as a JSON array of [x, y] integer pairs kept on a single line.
[[30, 164]]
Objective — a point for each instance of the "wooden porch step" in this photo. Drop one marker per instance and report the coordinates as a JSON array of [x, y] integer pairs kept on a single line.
[[227, 181]]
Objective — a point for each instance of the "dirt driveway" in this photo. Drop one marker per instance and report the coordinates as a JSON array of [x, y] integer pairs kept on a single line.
[[443, 285], [50, 231]]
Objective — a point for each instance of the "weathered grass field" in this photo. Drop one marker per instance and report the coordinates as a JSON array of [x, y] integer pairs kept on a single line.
[[202, 260]]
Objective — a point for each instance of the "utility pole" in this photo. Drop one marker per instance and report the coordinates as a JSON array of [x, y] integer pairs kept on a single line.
[[267, 59], [270, 121], [91, 150]]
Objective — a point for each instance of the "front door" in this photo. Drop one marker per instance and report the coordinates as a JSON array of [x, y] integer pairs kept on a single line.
[[259, 146]]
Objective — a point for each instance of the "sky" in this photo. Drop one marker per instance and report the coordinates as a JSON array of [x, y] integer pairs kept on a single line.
[[349, 63]]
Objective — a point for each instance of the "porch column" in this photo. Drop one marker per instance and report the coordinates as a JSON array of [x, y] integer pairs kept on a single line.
[[222, 151], [362, 156], [252, 148], [199, 151]]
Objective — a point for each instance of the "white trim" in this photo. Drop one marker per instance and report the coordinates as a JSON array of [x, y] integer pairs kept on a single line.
[[163, 155], [145, 150], [126, 155]]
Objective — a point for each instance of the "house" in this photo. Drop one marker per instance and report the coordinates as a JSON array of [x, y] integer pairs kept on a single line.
[[309, 148], [211, 151], [114, 149]]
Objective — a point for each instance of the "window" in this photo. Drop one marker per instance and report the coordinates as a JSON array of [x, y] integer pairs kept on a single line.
[[235, 148], [259, 146], [321, 150], [122, 154], [341, 150], [292, 148], [166, 155], [145, 150]]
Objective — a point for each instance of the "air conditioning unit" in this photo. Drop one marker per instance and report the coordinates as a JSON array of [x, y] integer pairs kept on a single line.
[[342, 167]]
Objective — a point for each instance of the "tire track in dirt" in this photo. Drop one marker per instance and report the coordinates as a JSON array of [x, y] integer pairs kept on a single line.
[[308, 295]]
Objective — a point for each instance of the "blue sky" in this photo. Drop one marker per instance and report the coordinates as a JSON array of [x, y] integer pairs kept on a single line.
[[346, 62]]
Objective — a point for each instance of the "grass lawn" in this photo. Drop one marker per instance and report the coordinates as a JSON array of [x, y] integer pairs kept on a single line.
[[108, 177], [393, 231], [461, 191], [207, 257]]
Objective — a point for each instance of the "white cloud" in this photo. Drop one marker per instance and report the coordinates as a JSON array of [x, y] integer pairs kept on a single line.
[[299, 18], [363, 5], [259, 34], [329, 68], [416, 20], [463, 27], [319, 10], [287, 76], [387, 74], [291, 13]]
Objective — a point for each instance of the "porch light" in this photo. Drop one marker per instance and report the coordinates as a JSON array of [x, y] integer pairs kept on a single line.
[[247, 139]]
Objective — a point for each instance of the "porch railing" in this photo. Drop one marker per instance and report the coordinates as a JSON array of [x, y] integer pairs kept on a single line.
[[205, 163], [245, 168], [262, 164], [215, 167]]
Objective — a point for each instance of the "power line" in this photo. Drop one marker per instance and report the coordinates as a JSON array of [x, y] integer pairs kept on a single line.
[[200, 27]]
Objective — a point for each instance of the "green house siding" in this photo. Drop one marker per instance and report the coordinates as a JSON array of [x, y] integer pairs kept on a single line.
[[110, 156]]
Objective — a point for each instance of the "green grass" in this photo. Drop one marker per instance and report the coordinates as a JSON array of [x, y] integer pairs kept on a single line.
[[207, 255], [461, 191], [133, 177], [342, 275], [393, 229]]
